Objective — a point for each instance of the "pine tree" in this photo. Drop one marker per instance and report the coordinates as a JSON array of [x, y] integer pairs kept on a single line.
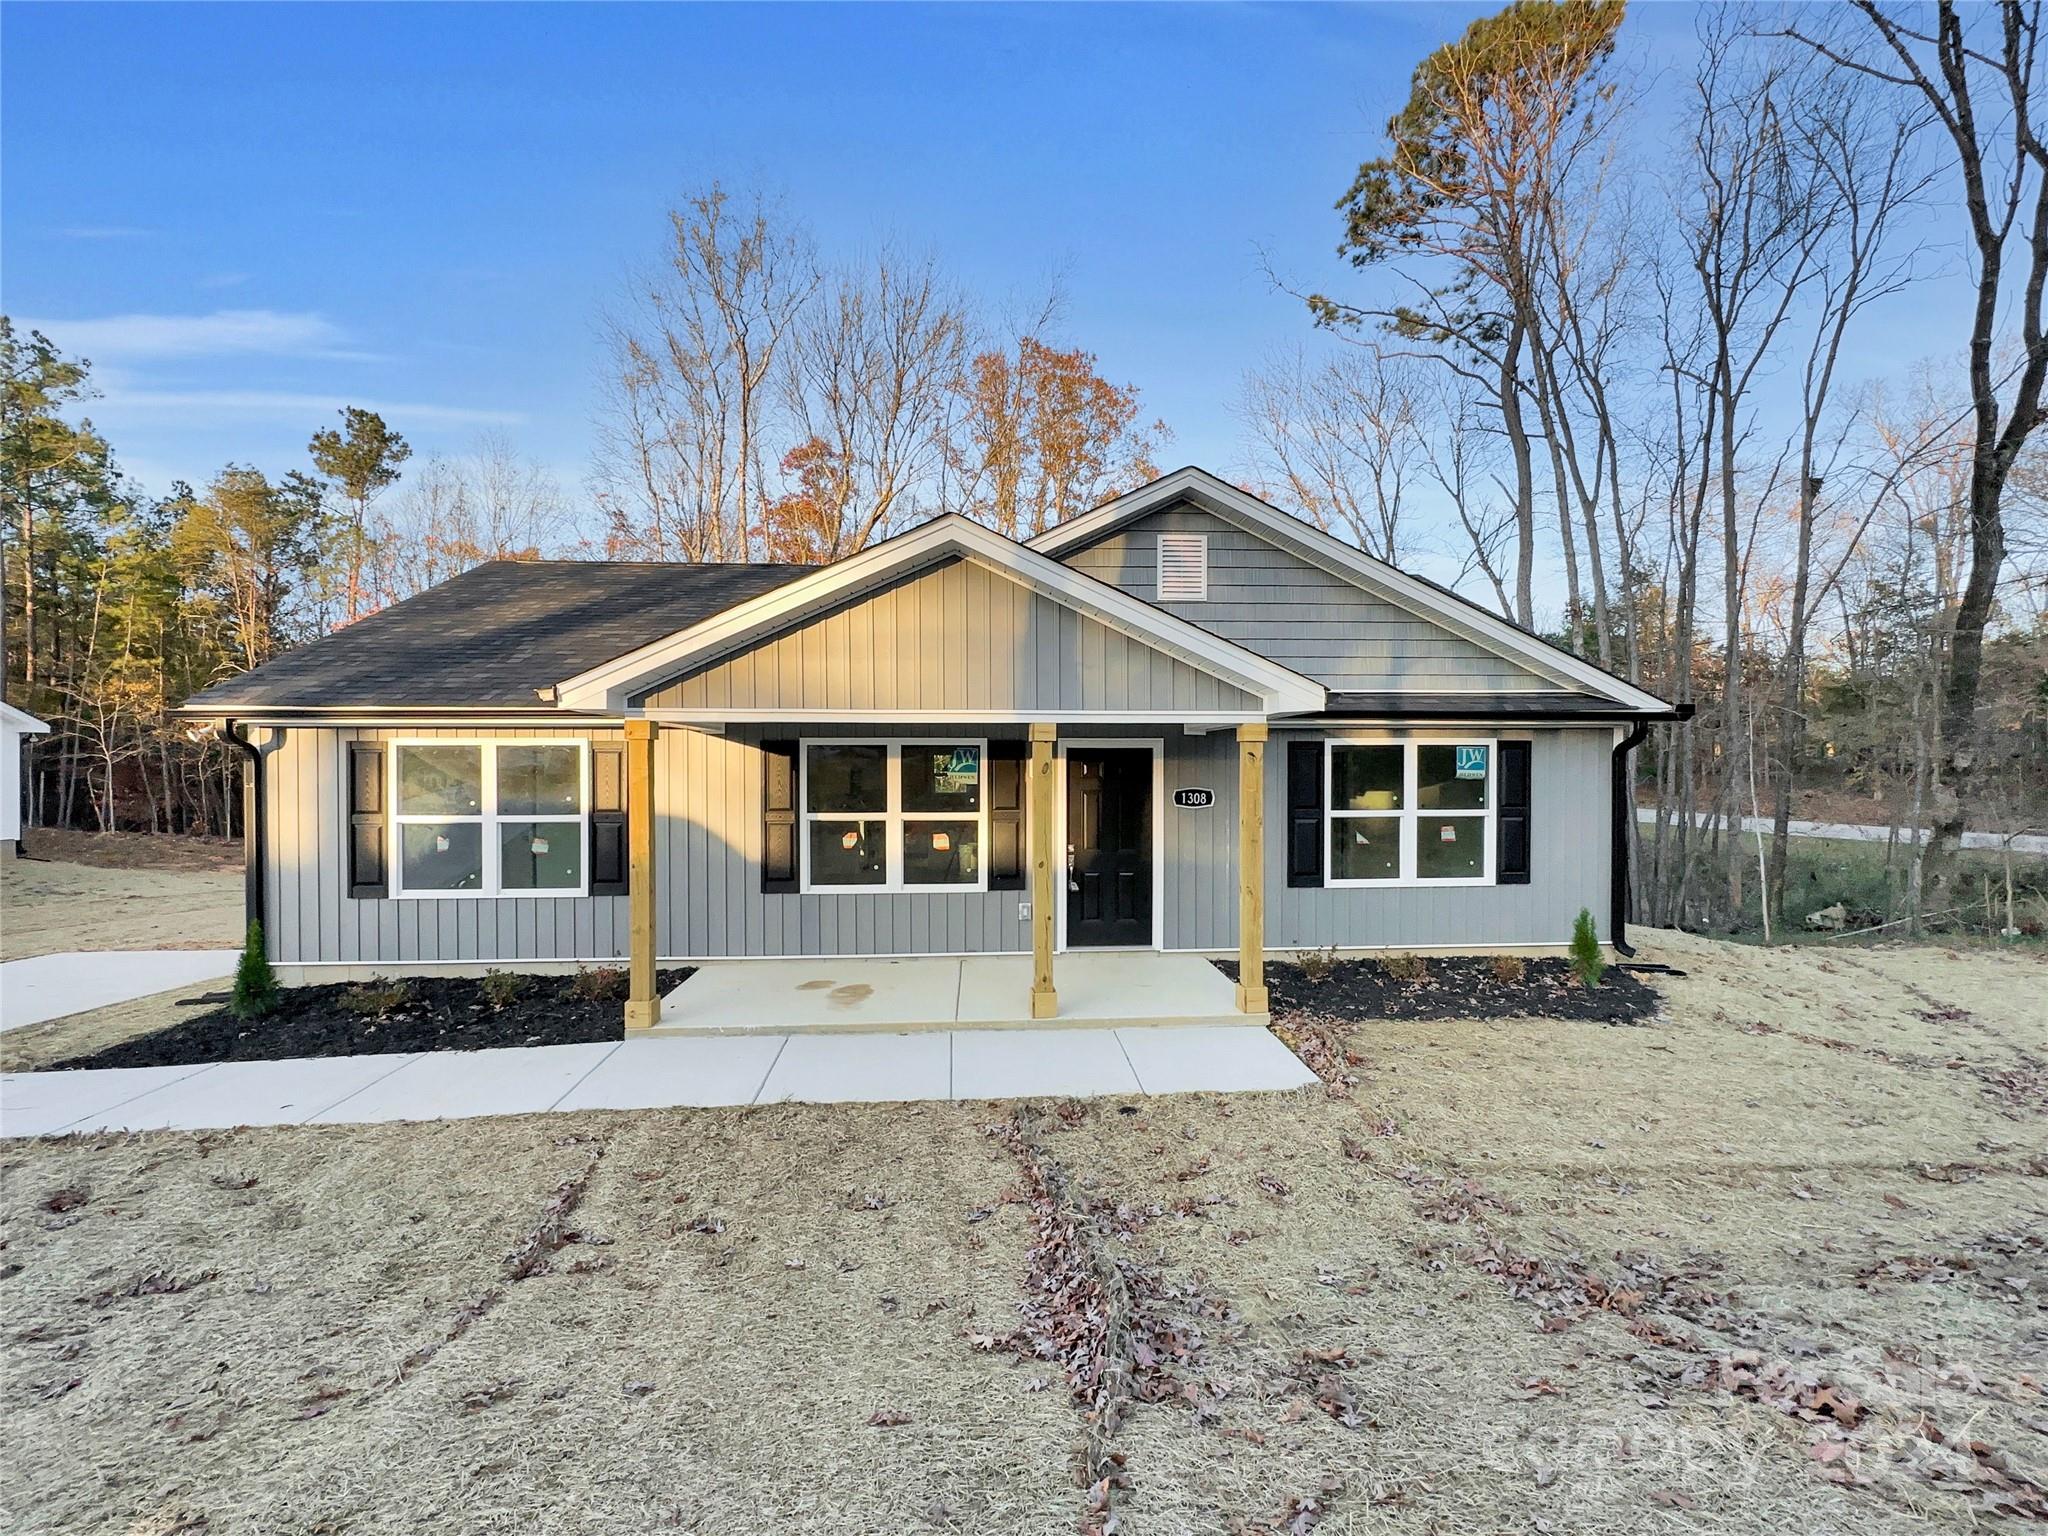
[[256, 991], [1587, 963]]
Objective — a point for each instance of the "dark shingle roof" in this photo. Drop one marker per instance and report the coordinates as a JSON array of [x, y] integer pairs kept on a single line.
[[493, 635]]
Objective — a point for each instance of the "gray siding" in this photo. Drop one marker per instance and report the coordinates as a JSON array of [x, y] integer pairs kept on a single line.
[[1272, 601], [957, 637], [311, 920], [708, 835]]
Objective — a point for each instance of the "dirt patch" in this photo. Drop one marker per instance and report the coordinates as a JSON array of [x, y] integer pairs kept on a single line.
[[1451, 987], [133, 850], [442, 1013], [48, 907]]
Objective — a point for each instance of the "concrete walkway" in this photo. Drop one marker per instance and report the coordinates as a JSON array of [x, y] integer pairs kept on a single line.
[[1850, 832], [51, 986], [711, 1070]]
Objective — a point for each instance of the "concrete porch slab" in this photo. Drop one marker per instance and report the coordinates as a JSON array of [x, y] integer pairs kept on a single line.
[[781, 996], [1097, 989]]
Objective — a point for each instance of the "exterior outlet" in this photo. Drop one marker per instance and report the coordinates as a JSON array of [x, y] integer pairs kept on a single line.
[[1023, 911]]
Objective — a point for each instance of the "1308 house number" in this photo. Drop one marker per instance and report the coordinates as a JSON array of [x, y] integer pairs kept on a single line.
[[1194, 799]]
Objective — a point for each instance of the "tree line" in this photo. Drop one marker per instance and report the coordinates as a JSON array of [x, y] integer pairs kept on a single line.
[[1579, 340]]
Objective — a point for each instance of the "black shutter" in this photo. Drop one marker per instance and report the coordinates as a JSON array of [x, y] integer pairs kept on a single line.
[[610, 867], [1511, 858], [778, 818], [1305, 812], [1006, 814], [367, 875]]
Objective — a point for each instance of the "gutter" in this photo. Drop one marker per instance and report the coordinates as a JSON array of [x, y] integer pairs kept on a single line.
[[252, 824], [1624, 801]]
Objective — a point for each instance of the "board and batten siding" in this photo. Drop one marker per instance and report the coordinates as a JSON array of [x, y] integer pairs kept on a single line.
[[1272, 601], [959, 636], [708, 846]]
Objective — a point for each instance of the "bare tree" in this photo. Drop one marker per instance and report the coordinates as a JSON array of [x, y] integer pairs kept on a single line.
[[490, 504], [1340, 439], [1975, 73], [681, 470]]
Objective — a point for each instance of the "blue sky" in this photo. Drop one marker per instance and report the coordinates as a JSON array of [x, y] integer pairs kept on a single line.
[[250, 215]]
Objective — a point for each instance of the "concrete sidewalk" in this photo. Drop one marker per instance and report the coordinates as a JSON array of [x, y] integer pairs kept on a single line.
[[51, 986], [648, 1074]]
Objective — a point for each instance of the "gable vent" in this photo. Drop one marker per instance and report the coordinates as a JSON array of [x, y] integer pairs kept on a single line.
[[1183, 567]]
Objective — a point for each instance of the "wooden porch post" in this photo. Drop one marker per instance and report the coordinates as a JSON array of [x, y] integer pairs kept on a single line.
[[1251, 869], [1045, 1001], [642, 1006]]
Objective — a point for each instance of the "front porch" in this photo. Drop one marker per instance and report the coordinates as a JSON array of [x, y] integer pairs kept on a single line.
[[836, 995]]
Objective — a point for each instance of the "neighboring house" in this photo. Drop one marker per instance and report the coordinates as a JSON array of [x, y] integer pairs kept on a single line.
[[14, 725], [949, 743]]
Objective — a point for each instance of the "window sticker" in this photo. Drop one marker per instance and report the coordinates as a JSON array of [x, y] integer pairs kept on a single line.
[[1471, 764]]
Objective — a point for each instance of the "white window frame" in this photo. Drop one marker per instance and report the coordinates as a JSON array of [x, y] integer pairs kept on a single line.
[[488, 820], [892, 816], [1411, 814]]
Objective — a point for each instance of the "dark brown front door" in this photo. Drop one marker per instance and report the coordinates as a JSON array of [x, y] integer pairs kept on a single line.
[[1109, 846]]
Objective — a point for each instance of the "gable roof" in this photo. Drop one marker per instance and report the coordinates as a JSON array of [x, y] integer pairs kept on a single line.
[[617, 683], [493, 637], [21, 721], [1439, 605]]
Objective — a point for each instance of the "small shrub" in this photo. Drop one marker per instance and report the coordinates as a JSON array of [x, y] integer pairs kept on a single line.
[[1587, 963], [600, 984], [503, 988], [1406, 967], [1317, 965], [374, 999], [1509, 969], [256, 991]]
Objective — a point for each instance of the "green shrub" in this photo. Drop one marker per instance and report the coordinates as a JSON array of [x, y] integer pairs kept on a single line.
[[1509, 969], [376, 998], [256, 991], [1406, 967], [600, 984], [503, 988], [1587, 962]]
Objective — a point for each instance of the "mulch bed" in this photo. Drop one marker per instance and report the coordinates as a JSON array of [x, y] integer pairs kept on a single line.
[[1454, 987], [436, 1013]]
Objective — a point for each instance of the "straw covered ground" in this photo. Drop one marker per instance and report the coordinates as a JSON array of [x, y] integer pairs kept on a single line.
[[118, 891], [1770, 1261]]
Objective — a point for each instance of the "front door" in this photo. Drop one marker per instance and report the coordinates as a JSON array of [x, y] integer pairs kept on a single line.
[[1109, 846]]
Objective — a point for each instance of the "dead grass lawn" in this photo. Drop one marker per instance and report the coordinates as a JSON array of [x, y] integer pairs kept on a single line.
[[1526, 1276], [48, 906]]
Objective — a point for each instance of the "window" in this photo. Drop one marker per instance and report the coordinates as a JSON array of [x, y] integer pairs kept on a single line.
[[489, 818], [1411, 812], [1183, 567], [894, 816]]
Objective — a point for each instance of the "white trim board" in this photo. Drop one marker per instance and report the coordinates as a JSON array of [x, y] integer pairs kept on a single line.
[[1395, 586], [610, 685]]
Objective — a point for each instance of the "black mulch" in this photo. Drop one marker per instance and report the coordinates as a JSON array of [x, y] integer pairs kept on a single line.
[[1454, 987], [438, 1013]]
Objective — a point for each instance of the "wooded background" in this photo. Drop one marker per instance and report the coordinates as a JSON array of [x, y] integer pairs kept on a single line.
[[1562, 350]]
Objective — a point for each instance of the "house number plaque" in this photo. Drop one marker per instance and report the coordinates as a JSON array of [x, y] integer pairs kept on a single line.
[[1194, 799]]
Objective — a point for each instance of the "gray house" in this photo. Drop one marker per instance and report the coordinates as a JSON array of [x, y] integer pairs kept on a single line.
[[1186, 721]]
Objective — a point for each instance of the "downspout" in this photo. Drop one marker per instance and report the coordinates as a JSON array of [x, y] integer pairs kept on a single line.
[[1624, 813], [1624, 810], [252, 825]]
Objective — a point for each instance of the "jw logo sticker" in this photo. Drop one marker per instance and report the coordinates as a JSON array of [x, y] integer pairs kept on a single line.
[[1471, 762]]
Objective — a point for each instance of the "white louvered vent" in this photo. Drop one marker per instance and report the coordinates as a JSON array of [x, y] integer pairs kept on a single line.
[[1183, 567]]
